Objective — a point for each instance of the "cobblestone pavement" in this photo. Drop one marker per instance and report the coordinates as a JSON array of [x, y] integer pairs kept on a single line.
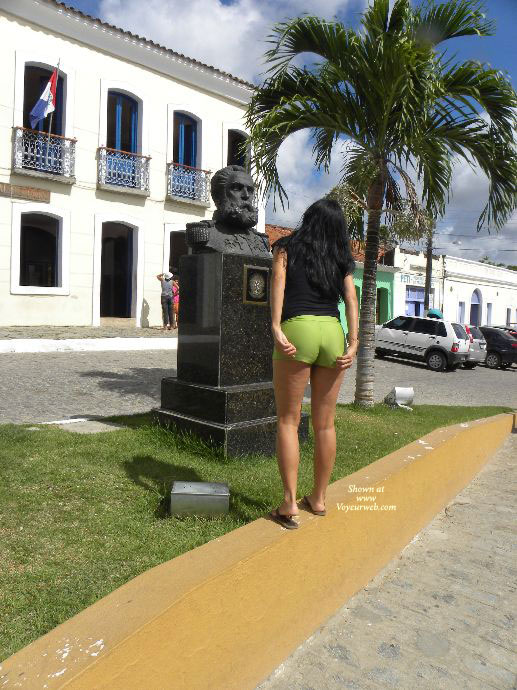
[[441, 616], [479, 386], [64, 332], [43, 387]]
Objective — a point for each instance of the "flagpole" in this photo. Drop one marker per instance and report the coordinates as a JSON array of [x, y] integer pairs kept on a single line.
[[52, 113]]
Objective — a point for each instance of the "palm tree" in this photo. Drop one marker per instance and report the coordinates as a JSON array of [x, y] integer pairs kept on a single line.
[[402, 104]]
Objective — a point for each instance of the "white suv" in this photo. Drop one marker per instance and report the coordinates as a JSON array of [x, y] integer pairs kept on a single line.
[[441, 344]]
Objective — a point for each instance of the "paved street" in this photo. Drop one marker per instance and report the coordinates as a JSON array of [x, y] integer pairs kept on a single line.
[[45, 387], [441, 616], [48, 386], [480, 386]]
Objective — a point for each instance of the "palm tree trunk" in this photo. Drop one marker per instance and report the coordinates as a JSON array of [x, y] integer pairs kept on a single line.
[[365, 358], [428, 272]]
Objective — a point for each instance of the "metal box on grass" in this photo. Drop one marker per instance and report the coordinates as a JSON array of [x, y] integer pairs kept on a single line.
[[199, 498]]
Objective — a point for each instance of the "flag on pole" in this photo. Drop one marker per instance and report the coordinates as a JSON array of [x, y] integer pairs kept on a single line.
[[46, 103]]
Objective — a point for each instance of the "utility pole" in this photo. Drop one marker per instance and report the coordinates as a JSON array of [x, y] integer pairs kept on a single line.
[[428, 267]]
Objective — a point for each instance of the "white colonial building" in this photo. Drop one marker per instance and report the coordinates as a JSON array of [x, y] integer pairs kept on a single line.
[[90, 214], [479, 294], [465, 291]]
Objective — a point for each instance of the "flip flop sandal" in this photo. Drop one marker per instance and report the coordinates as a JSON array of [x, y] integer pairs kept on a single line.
[[284, 520], [307, 504]]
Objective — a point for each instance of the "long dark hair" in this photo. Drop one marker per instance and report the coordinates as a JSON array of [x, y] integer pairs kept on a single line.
[[321, 242]]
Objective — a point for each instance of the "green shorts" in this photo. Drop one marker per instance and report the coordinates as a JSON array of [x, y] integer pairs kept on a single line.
[[318, 340]]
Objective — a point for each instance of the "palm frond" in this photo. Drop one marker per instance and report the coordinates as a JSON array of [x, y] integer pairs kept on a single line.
[[290, 102], [375, 19], [476, 87], [399, 16], [307, 34], [435, 23]]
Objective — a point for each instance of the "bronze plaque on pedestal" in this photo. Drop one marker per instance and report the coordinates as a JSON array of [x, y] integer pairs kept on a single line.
[[255, 285]]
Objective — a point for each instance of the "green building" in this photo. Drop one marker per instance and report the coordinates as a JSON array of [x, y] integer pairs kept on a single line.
[[385, 292]]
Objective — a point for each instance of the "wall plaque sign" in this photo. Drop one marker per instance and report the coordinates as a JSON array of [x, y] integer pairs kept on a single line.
[[28, 193], [255, 287], [415, 279]]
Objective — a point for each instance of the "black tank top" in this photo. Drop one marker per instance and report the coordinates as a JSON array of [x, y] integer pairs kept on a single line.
[[301, 298]]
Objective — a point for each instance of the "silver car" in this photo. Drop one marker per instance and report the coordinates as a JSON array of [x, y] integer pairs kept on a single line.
[[477, 350]]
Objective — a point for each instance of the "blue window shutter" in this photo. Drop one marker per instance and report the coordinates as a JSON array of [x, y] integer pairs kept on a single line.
[[134, 127], [193, 154], [58, 114], [118, 122], [181, 141]]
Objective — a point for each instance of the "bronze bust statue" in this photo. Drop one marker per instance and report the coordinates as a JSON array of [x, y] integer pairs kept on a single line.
[[231, 229]]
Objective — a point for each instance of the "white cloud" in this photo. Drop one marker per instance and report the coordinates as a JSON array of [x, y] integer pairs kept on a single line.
[[456, 232], [230, 36]]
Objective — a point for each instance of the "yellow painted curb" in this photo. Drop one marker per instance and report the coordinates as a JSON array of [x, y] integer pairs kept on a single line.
[[227, 613]]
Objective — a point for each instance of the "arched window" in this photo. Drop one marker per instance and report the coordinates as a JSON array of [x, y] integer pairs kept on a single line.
[[475, 308], [122, 123], [40, 250], [35, 81], [237, 149], [185, 140]]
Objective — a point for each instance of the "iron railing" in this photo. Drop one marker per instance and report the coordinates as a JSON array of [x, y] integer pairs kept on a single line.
[[123, 169], [38, 151], [188, 183]]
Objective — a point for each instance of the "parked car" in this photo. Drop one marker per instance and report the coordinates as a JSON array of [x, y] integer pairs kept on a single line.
[[441, 344], [477, 351], [510, 330], [501, 348]]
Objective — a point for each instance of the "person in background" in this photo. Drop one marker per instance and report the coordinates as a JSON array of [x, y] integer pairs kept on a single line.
[[175, 300], [167, 299]]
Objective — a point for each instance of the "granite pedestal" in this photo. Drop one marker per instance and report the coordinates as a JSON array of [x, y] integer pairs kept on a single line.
[[223, 392]]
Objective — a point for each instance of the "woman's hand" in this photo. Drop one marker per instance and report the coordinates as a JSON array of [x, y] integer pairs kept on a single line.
[[346, 360], [281, 342]]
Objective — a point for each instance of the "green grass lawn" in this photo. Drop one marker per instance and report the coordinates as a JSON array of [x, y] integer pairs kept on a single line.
[[82, 514]]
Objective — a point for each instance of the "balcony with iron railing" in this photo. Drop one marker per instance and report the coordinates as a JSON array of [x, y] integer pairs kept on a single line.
[[39, 154], [122, 171], [188, 185]]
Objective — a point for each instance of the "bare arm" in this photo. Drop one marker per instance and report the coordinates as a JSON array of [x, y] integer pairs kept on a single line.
[[351, 310], [277, 301], [159, 276], [352, 319]]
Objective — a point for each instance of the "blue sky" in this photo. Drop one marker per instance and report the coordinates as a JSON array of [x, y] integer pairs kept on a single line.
[[206, 30]]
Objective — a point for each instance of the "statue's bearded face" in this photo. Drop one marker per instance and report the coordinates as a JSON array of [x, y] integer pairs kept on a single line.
[[237, 208]]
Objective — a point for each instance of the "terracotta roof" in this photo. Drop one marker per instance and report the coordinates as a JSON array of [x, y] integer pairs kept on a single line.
[[274, 232], [73, 10]]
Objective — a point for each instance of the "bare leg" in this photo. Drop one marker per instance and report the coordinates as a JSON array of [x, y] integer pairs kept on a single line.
[[325, 385], [290, 379]]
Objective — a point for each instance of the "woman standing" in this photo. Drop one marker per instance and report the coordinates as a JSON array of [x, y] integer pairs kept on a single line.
[[312, 270], [175, 300]]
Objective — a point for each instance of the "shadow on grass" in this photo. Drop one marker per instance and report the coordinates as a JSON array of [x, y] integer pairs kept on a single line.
[[157, 477], [132, 421]]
